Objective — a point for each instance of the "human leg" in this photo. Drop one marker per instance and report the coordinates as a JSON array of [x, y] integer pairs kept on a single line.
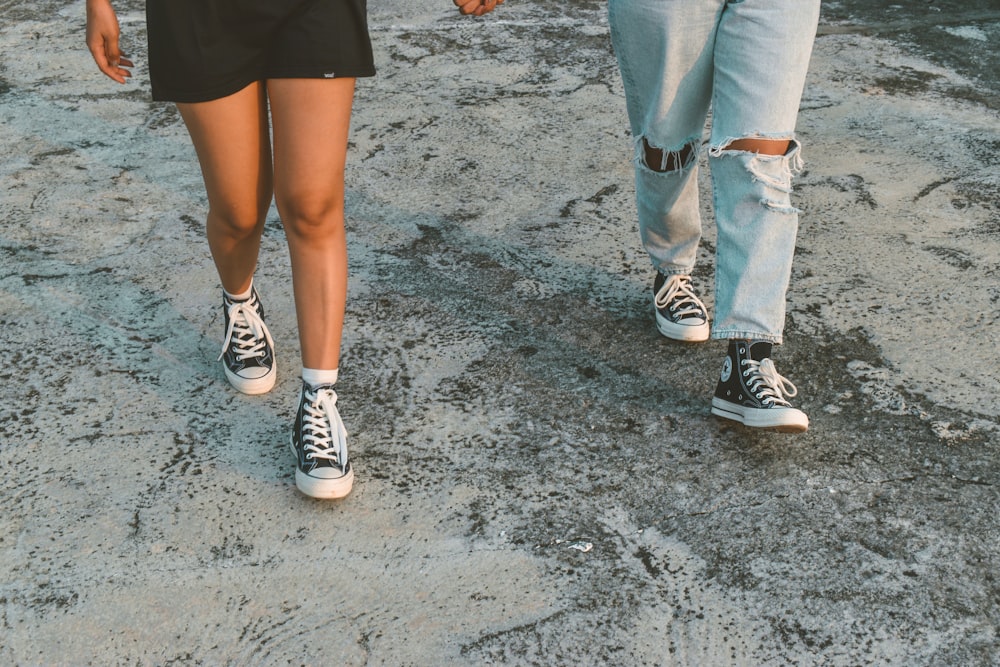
[[762, 55], [753, 154], [664, 51], [757, 227], [311, 119], [665, 57], [231, 138]]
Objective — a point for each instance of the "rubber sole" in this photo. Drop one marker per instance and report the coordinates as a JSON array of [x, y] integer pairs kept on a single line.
[[318, 487], [324, 489], [683, 332], [783, 420], [252, 386]]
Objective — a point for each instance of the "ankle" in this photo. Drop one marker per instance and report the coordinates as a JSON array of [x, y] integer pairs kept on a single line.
[[758, 350], [242, 296], [315, 377]]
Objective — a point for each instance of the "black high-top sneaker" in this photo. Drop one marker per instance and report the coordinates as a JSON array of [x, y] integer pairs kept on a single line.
[[680, 314], [319, 441], [751, 391], [247, 349]]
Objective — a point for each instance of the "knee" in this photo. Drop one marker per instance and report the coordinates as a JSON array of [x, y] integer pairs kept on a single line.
[[760, 146], [312, 216], [785, 150], [758, 168], [664, 160], [772, 161], [238, 219]]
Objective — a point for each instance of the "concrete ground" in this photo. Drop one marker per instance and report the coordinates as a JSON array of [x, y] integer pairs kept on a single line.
[[540, 481]]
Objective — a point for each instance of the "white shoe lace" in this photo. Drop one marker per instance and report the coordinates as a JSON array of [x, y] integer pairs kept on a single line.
[[677, 293], [247, 330], [767, 384], [323, 433]]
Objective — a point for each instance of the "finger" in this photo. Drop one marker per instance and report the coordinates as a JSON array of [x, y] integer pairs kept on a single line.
[[114, 62], [467, 6], [487, 6], [117, 74], [112, 50], [117, 61], [106, 57]]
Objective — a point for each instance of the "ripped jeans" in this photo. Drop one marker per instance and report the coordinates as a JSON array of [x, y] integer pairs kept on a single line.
[[747, 60]]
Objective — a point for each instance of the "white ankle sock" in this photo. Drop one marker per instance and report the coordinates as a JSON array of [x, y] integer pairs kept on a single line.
[[315, 377], [239, 297]]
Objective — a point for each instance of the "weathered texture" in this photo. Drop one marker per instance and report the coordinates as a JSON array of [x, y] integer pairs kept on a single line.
[[539, 478]]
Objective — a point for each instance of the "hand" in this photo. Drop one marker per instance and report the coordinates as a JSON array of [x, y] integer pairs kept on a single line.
[[102, 40], [477, 7]]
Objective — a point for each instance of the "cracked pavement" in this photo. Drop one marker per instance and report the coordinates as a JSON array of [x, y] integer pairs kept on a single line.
[[540, 481]]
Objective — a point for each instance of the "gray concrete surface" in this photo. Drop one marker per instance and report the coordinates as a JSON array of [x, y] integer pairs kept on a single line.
[[539, 479]]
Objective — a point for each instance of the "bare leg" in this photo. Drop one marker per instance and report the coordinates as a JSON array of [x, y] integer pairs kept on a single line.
[[311, 118], [231, 138], [763, 146]]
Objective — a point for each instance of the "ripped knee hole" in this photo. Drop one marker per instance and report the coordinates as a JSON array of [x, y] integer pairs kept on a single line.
[[662, 160]]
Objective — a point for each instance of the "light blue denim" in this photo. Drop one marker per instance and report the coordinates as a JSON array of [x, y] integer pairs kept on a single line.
[[747, 61]]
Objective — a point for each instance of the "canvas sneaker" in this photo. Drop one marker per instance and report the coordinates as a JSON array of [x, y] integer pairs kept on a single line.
[[680, 314], [247, 350], [751, 391], [319, 441]]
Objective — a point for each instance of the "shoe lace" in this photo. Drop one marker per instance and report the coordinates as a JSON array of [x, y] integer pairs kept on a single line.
[[678, 294], [246, 330], [767, 384], [323, 433]]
